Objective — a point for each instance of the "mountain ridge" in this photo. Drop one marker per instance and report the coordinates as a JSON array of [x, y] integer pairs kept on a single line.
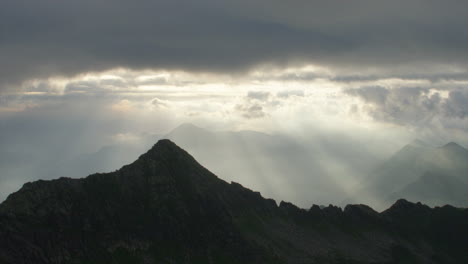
[[165, 207], [406, 170]]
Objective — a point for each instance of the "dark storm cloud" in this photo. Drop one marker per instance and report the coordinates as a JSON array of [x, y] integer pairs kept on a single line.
[[432, 77], [415, 106], [51, 37]]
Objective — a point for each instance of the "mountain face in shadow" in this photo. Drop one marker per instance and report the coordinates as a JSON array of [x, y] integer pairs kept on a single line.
[[435, 176], [167, 208]]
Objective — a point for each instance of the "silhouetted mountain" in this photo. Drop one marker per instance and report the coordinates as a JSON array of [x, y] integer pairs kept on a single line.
[[167, 208], [436, 176]]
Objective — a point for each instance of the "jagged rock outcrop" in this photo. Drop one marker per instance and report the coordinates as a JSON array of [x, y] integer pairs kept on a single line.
[[167, 208]]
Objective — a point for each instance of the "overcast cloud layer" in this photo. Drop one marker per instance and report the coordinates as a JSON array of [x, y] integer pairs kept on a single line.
[[56, 37]]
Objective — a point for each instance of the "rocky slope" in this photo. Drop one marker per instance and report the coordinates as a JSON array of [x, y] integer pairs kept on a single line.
[[166, 208]]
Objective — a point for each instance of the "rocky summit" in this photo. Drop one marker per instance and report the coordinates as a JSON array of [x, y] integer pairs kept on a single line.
[[167, 208]]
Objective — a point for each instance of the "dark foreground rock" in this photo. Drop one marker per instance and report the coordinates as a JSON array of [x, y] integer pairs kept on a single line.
[[166, 208]]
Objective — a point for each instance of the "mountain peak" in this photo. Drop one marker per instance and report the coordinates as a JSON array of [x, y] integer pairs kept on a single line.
[[187, 131], [403, 206], [452, 145], [165, 147], [166, 143], [454, 149], [188, 127], [402, 203], [165, 207], [169, 153]]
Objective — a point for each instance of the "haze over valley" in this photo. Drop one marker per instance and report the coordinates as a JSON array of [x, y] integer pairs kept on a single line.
[[323, 169]]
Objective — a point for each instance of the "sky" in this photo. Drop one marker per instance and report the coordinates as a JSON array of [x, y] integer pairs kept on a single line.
[[76, 76]]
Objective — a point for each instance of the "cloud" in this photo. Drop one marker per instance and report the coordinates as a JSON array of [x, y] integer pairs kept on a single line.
[[40, 39], [250, 111], [456, 105], [258, 95], [407, 105], [158, 103], [287, 94], [437, 75], [258, 104], [416, 107], [123, 106], [375, 95]]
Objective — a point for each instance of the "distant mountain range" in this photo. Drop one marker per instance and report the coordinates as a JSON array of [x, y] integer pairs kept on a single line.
[[284, 169], [317, 169], [418, 172], [166, 208]]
